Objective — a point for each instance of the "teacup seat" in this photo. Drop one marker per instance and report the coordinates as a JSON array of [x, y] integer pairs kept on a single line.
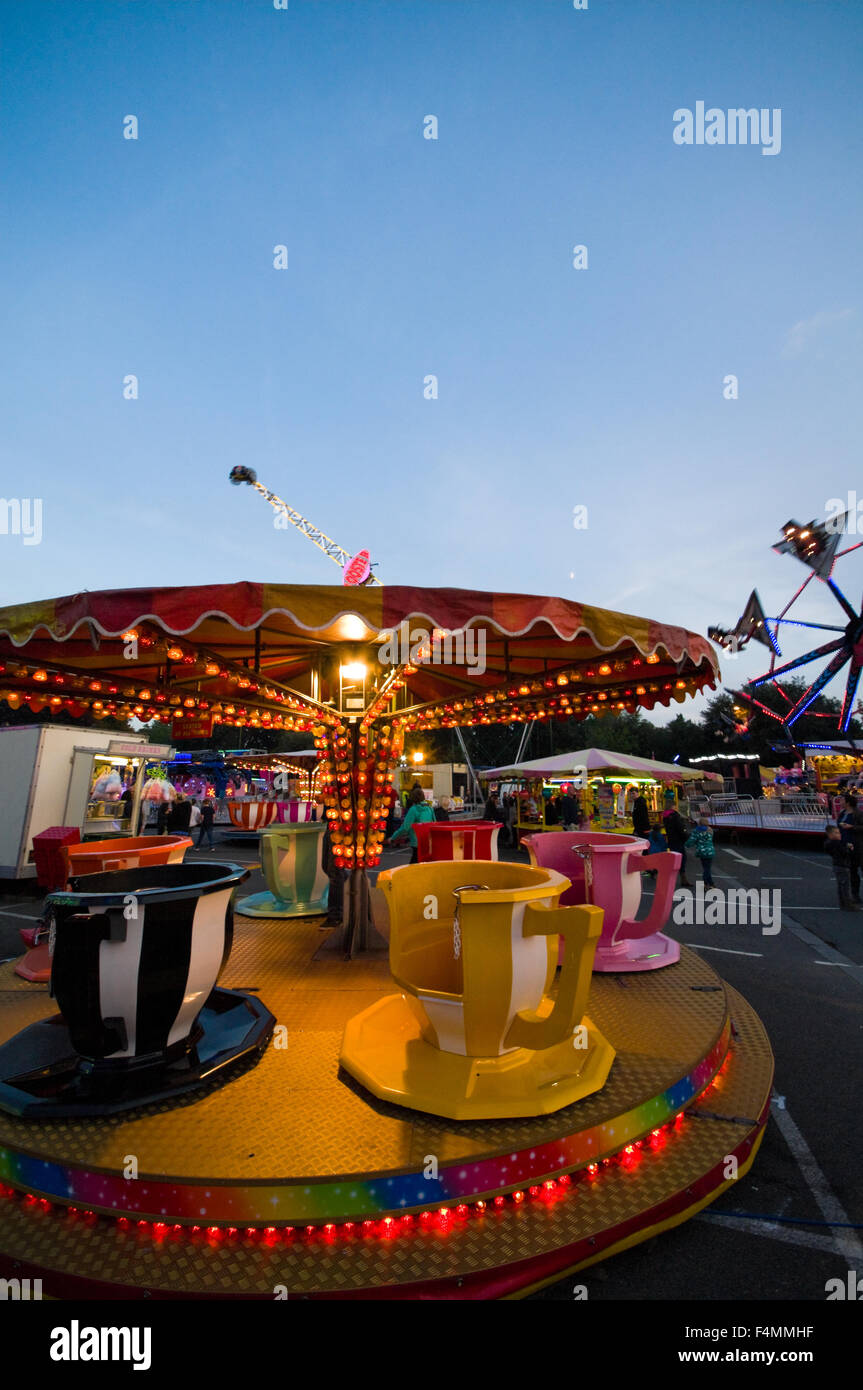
[[291, 861], [136, 958], [614, 864], [475, 1034], [464, 839]]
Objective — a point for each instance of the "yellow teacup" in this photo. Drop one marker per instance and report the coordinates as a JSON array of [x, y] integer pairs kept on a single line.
[[476, 961]]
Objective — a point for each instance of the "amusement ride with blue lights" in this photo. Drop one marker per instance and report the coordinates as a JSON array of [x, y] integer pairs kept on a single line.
[[816, 546]]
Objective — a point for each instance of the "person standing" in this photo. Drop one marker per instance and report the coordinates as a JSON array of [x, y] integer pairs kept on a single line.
[[701, 840], [842, 855], [849, 828], [675, 834], [857, 832], [418, 810], [511, 818], [640, 816], [208, 815], [568, 811], [180, 816]]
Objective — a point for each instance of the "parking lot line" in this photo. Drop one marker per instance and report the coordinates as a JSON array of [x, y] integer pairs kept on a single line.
[[723, 950], [791, 1235], [818, 863], [822, 948], [847, 1242]]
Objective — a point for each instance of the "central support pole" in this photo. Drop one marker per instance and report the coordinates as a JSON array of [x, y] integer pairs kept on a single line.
[[359, 934], [360, 758]]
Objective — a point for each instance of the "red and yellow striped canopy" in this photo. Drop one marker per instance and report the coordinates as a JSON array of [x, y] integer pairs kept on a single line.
[[533, 649]]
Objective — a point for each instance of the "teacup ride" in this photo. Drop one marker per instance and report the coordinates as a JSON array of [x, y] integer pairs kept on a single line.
[[136, 956], [295, 1171], [94, 857], [104, 856], [606, 869], [291, 861], [464, 839], [295, 812], [475, 1033], [257, 815], [250, 817]]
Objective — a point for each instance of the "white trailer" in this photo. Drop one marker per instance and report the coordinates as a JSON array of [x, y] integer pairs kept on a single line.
[[46, 776]]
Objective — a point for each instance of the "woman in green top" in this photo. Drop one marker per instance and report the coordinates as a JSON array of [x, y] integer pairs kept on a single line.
[[418, 810]]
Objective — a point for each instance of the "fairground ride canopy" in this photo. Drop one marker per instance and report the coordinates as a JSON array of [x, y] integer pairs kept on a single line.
[[284, 656], [359, 667]]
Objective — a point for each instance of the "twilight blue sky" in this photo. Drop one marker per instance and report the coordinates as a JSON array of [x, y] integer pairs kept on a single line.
[[407, 256]]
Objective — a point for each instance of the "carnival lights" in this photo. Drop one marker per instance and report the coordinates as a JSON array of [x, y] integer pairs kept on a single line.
[[816, 547]]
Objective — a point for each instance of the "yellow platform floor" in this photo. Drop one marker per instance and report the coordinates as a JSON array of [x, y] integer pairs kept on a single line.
[[295, 1143]]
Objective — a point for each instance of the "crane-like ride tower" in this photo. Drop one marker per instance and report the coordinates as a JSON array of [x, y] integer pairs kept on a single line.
[[356, 569]]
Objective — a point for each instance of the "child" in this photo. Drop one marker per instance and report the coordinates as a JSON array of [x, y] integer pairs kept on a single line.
[[842, 855], [656, 840], [655, 845], [701, 840]]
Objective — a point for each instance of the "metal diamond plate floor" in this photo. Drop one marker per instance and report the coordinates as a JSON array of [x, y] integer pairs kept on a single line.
[[296, 1114]]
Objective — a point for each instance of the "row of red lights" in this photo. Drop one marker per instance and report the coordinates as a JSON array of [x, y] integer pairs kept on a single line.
[[444, 1219], [517, 712]]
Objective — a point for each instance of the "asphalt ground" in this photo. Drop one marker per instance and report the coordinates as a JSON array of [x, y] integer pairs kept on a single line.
[[794, 1222]]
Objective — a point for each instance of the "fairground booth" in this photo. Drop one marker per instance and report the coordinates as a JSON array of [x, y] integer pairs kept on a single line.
[[85, 781], [450, 1095], [604, 784], [834, 767], [236, 778]]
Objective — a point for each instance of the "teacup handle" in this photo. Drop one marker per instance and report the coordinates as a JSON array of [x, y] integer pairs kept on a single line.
[[666, 865], [580, 928]]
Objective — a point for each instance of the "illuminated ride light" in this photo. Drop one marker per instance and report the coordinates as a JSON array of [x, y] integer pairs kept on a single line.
[[816, 546], [441, 1219]]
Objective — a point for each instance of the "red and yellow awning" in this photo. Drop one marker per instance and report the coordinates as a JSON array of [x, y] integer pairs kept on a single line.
[[256, 648]]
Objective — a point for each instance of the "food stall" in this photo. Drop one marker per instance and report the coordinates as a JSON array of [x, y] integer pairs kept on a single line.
[[59, 775], [604, 782], [438, 780]]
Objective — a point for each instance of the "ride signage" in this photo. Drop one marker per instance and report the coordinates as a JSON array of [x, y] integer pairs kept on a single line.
[[200, 726]]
